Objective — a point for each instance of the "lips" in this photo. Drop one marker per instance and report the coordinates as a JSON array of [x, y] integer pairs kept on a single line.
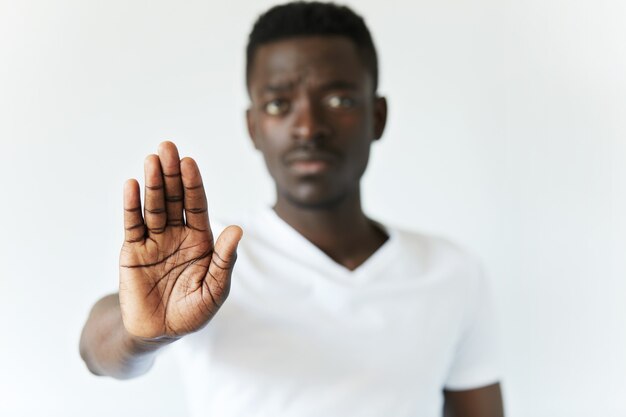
[[308, 162], [310, 155]]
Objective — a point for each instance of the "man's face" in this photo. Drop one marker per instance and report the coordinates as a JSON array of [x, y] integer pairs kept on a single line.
[[313, 115]]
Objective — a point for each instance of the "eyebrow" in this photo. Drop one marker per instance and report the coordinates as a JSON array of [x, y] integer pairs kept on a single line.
[[339, 85], [288, 86], [279, 87]]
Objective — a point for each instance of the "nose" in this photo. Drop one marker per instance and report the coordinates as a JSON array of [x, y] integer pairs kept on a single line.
[[309, 121]]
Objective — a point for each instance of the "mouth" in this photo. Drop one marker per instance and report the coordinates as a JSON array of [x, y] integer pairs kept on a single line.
[[310, 162], [310, 167]]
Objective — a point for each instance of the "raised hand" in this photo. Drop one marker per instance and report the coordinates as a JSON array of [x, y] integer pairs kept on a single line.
[[173, 279]]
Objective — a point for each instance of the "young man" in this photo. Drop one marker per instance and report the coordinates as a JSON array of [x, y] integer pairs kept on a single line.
[[330, 313]]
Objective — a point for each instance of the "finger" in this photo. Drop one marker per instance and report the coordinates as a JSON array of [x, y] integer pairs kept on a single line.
[[196, 214], [170, 164], [133, 222], [223, 260], [154, 207]]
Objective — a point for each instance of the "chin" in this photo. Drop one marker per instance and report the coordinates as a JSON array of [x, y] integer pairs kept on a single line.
[[311, 202]]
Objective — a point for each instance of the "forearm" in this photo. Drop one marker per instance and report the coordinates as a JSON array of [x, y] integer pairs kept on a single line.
[[108, 349]]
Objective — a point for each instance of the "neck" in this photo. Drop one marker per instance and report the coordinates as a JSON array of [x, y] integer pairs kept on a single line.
[[342, 231]]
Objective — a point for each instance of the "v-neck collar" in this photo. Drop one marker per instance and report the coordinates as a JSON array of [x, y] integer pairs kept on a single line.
[[303, 249]]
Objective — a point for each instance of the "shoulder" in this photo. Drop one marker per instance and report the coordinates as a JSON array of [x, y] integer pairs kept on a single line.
[[435, 250]]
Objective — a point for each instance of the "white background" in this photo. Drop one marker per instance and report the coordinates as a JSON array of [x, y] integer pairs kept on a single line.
[[506, 133]]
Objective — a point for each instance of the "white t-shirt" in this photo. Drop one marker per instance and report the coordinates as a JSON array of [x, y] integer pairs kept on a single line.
[[301, 335]]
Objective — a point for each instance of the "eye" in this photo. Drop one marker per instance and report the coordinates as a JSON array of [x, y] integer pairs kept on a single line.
[[337, 102], [276, 107]]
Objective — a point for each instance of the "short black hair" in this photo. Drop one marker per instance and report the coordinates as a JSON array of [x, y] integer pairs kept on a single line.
[[313, 18]]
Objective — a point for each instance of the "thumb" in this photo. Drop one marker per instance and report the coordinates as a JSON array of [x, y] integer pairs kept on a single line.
[[222, 263], [226, 246]]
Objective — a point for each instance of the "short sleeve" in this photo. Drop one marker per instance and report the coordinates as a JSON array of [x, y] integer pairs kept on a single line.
[[476, 361]]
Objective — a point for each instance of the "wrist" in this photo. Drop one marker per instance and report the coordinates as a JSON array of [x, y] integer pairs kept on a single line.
[[143, 345]]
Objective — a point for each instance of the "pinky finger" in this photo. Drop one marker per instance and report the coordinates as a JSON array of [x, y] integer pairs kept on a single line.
[[134, 228]]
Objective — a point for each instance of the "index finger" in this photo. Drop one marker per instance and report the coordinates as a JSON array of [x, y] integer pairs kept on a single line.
[[196, 213]]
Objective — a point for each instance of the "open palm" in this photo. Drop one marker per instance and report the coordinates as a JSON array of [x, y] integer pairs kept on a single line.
[[173, 279]]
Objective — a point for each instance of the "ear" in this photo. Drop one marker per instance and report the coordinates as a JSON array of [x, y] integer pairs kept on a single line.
[[250, 122], [380, 116]]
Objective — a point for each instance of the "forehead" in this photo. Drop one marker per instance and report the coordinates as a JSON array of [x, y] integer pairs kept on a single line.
[[308, 59]]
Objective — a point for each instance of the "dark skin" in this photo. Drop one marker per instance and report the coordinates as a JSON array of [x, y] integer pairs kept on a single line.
[[485, 401], [174, 276], [313, 115]]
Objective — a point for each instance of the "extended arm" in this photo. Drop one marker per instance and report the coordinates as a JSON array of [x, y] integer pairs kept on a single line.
[[173, 277]]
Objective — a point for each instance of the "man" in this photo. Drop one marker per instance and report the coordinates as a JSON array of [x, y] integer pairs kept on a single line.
[[330, 313]]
